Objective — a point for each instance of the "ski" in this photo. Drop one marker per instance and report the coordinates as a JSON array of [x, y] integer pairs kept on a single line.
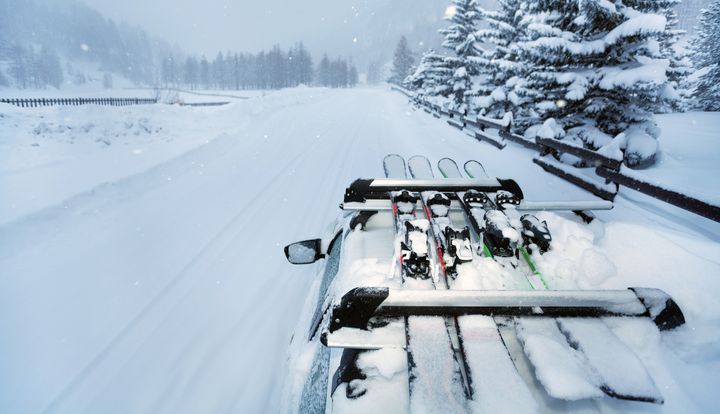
[[572, 337], [424, 335], [501, 239], [452, 247]]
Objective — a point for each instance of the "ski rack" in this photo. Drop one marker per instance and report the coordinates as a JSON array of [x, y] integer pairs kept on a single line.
[[362, 190], [386, 205], [373, 194], [359, 305]]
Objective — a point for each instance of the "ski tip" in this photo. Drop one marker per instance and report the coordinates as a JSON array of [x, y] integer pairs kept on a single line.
[[474, 169], [420, 167], [448, 168], [394, 166]]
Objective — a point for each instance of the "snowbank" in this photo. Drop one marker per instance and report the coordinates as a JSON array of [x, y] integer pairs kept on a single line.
[[689, 156]]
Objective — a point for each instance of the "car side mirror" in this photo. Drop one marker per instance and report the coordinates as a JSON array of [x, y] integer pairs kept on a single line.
[[304, 252]]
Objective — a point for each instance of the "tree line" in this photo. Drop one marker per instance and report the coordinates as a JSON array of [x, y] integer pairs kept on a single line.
[[32, 67], [78, 33], [273, 69], [35, 34]]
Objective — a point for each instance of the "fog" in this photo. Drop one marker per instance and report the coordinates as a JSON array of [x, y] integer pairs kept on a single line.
[[364, 29]]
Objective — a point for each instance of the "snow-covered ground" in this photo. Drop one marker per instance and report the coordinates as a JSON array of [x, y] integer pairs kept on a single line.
[[141, 262], [688, 157]]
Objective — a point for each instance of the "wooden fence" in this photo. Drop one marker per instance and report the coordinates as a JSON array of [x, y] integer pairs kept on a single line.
[[37, 102], [603, 181]]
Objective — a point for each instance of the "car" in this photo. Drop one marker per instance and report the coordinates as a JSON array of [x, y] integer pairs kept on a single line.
[[478, 334]]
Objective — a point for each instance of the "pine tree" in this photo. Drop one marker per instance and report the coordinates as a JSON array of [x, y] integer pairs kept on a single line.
[[706, 55], [597, 69], [353, 77], [217, 71], [19, 63], [50, 70], [205, 73], [304, 65], [236, 71], [324, 71], [191, 73], [403, 62], [460, 39], [262, 79], [168, 72], [431, 78], [674, 93], [498, 62]]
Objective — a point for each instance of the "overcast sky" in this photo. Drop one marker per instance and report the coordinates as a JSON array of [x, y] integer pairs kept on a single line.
[[352, 28]]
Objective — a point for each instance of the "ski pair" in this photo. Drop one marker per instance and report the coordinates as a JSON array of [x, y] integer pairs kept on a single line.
[[476, 339], [565, 336], [501, 233], [424, 335]]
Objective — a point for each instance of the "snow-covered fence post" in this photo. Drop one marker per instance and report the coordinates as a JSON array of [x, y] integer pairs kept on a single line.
[[457, 118]]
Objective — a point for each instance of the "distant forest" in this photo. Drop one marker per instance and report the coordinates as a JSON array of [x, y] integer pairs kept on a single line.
[[266, 70], [48, 45]]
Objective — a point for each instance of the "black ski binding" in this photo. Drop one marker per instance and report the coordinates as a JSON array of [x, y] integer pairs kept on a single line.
[[459, 245], [405, 201], [503, 198], [439, 205], [495, 237], [415, 264], [535, 232]]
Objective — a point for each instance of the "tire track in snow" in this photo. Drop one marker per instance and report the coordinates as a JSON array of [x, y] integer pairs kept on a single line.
[[194, 263]]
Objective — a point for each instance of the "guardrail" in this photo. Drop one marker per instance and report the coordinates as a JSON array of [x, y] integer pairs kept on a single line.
[[603, 181], [37, 102]]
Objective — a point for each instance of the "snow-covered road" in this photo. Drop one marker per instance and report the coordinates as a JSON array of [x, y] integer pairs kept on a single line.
[[161, 287]]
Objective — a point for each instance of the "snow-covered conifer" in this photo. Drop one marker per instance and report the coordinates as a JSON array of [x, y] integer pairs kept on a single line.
[[323, 75], [19, 64], [49, 70], [431, 78], [191, 73], [497, 63], [460, 39], [205, 73], [596, 67], [353, 76], [217, 71], [403, 62], [706, 55], [674, 94]]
